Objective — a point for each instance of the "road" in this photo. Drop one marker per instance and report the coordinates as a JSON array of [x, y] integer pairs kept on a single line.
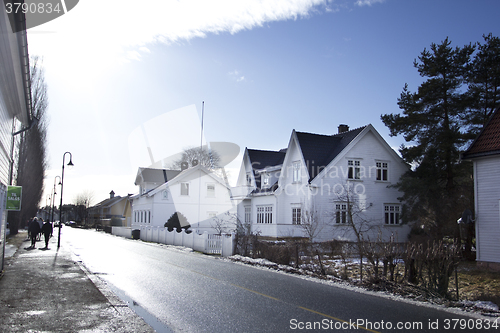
[[180, 291]]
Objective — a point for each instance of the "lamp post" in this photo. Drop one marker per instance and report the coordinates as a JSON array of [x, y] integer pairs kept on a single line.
[[54, 197], [61, 205]]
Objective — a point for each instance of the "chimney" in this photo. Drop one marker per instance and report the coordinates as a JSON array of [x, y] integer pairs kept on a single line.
[[343, 128], [111, 194]]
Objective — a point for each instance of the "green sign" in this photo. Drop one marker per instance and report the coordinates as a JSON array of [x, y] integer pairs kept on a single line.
[[14, 197]]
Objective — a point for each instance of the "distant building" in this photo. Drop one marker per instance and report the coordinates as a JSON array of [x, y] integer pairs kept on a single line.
[[484, 153], [320, 184], [113, 207], [198, 194], [15, 102]]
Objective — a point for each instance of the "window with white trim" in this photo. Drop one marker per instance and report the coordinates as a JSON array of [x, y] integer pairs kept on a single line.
[[353, 169], [249, 179], [382, 171], [248, 214], [184, 188], [265, 179], [265, 214], [296, 215], [296, 172], [211, 190], [392, 214], [342, 215], [164, 194]]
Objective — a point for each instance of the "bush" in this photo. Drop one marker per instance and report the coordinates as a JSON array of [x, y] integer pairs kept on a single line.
[[178, 222]]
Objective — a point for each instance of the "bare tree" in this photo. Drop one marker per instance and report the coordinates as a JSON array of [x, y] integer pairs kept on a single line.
[[31, 158], [208, 158], [224, 224], [82, 202], [310, 222]]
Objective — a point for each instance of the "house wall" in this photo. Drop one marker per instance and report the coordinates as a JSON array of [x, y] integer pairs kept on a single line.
[[371, 193], [197, 206], [487, 201]]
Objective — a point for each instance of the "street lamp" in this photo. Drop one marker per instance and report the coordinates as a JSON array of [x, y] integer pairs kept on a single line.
[[61, 205], [54, 196]]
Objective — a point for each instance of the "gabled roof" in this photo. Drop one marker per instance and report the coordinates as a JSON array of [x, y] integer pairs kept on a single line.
[[488, 141], [261, 159], [319, 150], [186, 173], [159, 176]]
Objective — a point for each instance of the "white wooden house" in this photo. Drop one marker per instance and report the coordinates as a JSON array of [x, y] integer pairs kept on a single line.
[[15, 104], [485, 155], [319, 184], [200, 195]]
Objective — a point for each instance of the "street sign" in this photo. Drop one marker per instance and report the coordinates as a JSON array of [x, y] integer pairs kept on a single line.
[[14, 197]]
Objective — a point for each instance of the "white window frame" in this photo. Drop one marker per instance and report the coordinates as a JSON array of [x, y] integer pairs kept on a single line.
[[382, 171], [266, 177], [265, 214], [248, 214], [354, 169], [296, 215], [296, 172], [211, 192], [392, 214], [164, 194], [249, 179], [185, 189], [342, 216]]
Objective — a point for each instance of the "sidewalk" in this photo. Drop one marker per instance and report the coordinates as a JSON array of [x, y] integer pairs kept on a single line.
[[46, 291]]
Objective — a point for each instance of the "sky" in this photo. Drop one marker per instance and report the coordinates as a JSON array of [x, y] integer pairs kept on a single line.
[[123, 77]]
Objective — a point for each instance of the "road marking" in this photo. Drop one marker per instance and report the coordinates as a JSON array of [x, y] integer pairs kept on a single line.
[[274, 298]]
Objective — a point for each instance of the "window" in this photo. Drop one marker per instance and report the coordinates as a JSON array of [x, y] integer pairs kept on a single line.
[[249, 179], [265, 179], [149, 216], [342, 214], [392, 214], [265, 214], [212, 215], [382, 171], [353, 169], [296, 215], [248, 214], [296, 172], [211, 190], [184, 188], [164, 195]]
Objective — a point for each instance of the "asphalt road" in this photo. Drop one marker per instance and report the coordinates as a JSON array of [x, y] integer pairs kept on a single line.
[[181, 291]]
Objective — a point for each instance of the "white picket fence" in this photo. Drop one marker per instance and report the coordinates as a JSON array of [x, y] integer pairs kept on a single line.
[[206, 243]]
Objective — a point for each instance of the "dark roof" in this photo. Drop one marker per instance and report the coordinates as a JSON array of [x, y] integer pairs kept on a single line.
[[159, 176], [488, 141], [319, 150], [261, 159]]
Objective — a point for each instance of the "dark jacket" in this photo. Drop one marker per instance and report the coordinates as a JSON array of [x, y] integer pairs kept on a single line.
[[33, 227], [47, 228]]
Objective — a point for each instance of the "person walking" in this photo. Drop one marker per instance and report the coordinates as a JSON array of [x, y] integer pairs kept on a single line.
[[47, 232], [33, 231]]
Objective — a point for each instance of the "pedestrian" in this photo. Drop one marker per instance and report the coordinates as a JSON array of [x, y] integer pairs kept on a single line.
[[33, 231], [47, 232], [40, 223]]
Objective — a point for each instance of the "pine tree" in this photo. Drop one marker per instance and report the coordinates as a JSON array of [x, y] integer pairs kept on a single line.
[[432, 121], [484, 82]]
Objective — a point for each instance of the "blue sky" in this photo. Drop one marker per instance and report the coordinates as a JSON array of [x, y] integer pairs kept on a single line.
[[263, 68]]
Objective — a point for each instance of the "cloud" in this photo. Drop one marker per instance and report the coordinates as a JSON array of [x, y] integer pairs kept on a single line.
[[368, 2], [236, 76]]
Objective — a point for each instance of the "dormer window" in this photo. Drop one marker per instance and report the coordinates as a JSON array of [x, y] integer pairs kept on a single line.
[[265, 179]]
